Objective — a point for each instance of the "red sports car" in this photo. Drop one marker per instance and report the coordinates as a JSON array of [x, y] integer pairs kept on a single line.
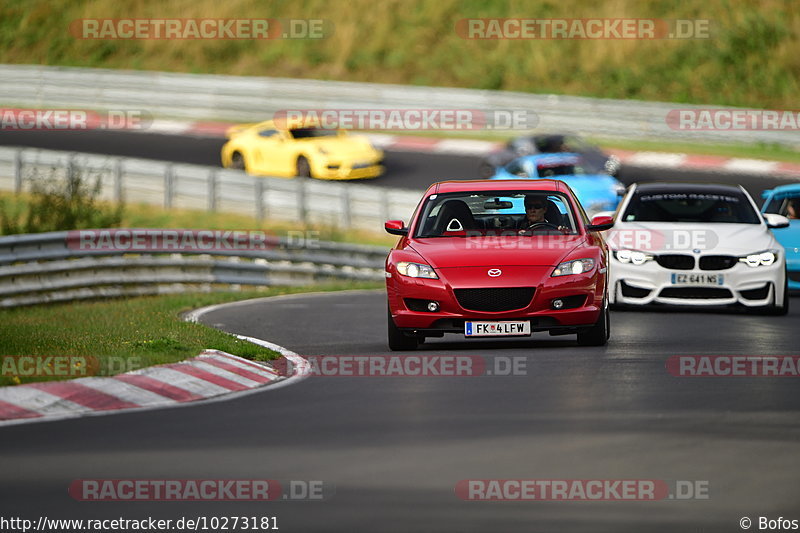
[[489, 258]]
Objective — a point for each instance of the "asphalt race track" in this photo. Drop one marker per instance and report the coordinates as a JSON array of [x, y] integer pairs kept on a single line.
[[408, 170], [394, 448]]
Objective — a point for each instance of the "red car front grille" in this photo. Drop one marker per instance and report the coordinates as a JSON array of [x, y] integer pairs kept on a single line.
[[495, 300]]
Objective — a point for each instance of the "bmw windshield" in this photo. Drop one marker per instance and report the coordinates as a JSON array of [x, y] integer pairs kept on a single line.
[[692, 207]]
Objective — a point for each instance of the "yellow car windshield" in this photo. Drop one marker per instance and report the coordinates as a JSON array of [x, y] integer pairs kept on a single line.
[[307, 133]]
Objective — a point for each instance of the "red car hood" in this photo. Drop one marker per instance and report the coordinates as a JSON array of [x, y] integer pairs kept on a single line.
[[539, 250], [507, 276]]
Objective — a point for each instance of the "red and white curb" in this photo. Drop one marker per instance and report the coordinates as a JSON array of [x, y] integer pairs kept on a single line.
[[733, 165], [481, 148], [212, 376]]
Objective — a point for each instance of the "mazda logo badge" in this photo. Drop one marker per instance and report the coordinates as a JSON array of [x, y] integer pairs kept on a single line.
[[494, 272]]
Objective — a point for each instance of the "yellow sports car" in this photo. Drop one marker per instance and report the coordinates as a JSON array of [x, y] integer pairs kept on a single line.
[[268, 150]]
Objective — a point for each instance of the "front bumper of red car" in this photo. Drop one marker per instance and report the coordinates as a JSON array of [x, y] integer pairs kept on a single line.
[[549, 303]]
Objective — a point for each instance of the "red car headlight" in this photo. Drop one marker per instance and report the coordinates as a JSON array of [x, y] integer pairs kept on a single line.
[[575, 266], [416, 270]]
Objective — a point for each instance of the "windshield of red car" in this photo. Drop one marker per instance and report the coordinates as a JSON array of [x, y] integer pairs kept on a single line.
[[496, 213]]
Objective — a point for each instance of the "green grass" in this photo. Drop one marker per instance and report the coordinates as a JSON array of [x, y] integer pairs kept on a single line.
[[770, 152], [750, 60], [130, 333]]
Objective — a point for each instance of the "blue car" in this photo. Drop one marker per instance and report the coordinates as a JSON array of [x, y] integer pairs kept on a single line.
[[785, 200], [596, 192]]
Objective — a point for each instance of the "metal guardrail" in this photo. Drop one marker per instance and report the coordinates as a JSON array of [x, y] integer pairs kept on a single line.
[[250, 99], [42, 268], [333, 204]]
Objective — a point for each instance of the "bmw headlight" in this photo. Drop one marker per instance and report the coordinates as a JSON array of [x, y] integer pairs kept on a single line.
[[576, 266], [632, 256], [416, 270], [765, 258]]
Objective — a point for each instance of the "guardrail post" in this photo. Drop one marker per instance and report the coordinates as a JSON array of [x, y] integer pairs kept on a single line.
[[385, 215], [301, 198], [18, 171], [346, 220], [259, 186], [212, 190], [168, 182], [118, 180], [72, 177]]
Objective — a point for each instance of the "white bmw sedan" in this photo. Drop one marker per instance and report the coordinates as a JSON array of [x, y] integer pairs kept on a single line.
[[696, 245]]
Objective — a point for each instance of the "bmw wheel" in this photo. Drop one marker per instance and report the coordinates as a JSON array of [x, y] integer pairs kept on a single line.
[[775, 310]]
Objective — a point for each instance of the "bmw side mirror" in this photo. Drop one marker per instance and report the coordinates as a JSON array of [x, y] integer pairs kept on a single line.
[[775, 221], [396, 227]]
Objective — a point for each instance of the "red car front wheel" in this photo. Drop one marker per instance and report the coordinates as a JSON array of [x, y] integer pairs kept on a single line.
[[399, 341], [598, 334]]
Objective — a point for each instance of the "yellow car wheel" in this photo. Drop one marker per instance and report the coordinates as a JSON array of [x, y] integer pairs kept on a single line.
[[237, 161], [303, 168]]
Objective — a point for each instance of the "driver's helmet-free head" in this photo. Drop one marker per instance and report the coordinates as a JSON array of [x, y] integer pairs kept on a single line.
[[793, 208], [535, 199]]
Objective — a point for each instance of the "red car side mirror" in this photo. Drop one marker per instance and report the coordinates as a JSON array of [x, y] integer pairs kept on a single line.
[[395, 227], [601, 223]]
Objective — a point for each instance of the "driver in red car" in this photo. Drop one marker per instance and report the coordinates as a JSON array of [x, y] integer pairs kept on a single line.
[[536, 215]]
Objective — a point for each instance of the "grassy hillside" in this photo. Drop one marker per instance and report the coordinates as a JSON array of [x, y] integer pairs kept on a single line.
[[751, 60]]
